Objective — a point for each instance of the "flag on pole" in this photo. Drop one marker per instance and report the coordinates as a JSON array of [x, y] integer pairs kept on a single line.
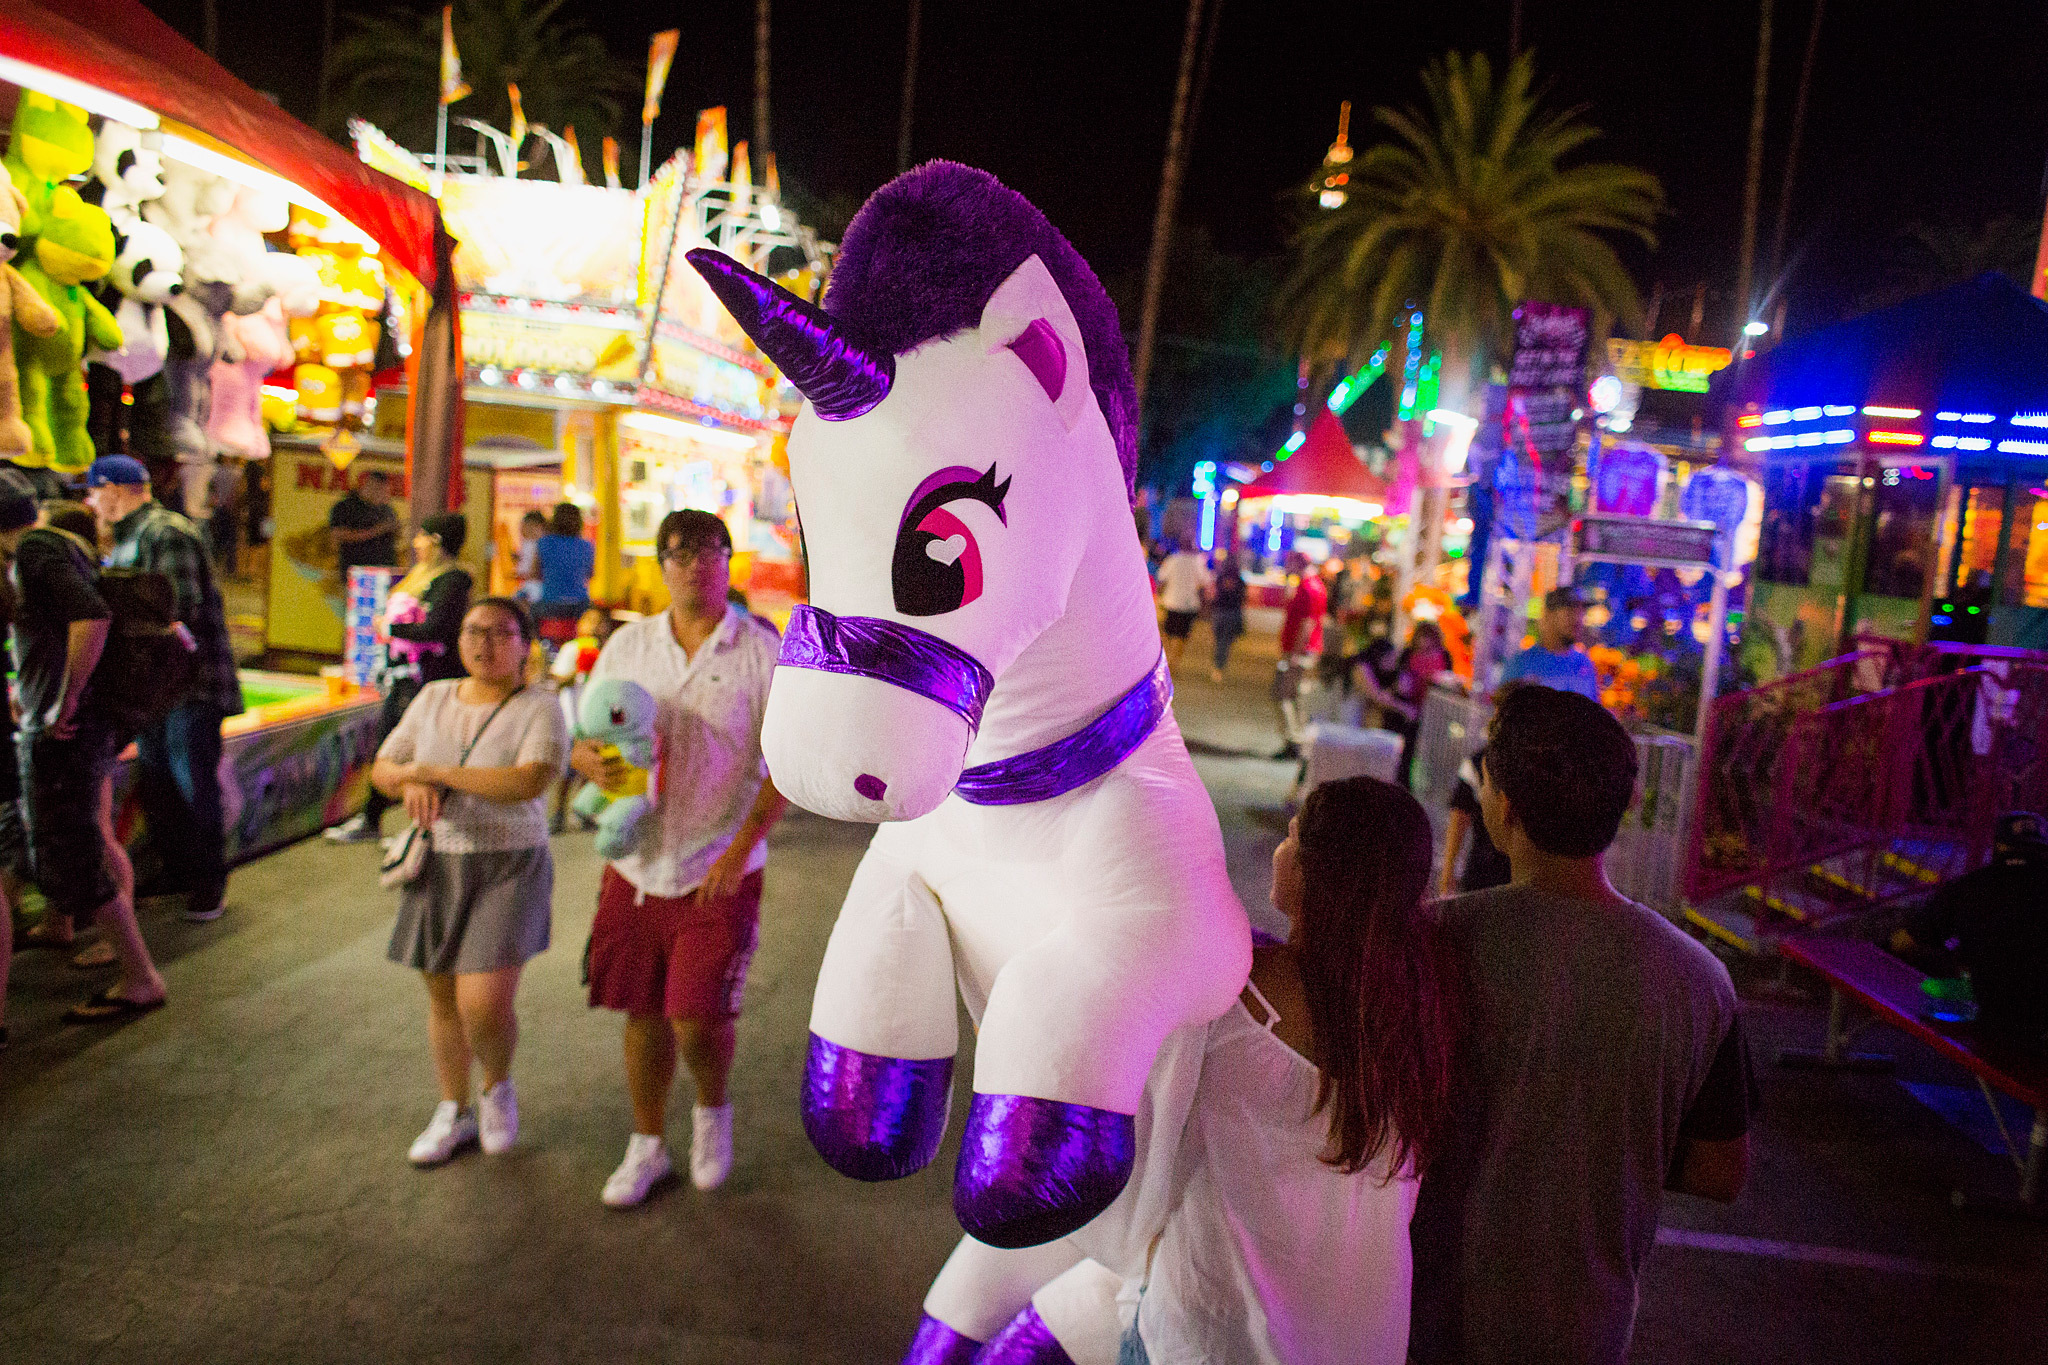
[[771, 184], [611, 163], [452, 88], [712, 159], [742, 177], [661, 52], [517, 130]]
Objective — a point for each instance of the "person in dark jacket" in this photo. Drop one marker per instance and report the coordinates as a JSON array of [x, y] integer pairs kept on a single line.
[[178, 758], [422, 624]]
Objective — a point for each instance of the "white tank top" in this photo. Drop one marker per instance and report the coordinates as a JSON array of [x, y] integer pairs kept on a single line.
[[1269, 1255]]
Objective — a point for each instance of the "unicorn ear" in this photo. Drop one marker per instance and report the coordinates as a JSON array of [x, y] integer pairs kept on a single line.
[[1029, 317]]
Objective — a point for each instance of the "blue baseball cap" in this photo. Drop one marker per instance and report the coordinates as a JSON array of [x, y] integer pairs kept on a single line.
[[121, 469]]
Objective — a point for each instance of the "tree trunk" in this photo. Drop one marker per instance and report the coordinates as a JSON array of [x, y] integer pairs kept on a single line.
[[1169, 198], [1792, 144], [211, 20], [762, 145], [1752, 182], [909, 89]]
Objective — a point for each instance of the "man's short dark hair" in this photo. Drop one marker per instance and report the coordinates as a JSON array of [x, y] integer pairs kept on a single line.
[[1566, 766], [377, 474], [691, 529]]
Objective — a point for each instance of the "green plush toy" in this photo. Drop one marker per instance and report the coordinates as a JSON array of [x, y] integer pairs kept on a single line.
[[76, 245], [50, 144]]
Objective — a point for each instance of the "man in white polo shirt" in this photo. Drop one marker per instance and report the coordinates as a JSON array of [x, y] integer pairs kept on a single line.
[[677, 919]]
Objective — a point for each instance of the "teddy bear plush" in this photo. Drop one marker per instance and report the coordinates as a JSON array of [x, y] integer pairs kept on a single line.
[[75, 247], [29, 312], [620, 716], [147, 274]]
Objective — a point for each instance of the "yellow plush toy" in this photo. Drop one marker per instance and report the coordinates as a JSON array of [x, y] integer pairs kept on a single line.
[[30, 313]]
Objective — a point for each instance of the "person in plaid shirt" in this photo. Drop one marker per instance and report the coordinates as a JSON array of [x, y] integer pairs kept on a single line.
[[178, 759]]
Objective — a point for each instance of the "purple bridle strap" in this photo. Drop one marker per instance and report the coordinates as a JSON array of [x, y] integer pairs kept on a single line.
[[867, 647], [1058, 768]]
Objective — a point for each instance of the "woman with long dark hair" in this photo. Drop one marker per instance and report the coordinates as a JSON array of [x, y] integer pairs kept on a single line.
[[1325, 1092]]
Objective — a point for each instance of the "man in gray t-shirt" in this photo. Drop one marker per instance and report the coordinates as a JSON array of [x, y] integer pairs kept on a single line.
[[1605, 1064]]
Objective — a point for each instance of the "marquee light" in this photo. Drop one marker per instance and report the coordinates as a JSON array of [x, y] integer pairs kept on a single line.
[[1839, 410], [1874, 411], [1896, 438], [90, 98], [655, 424], [2023, 447]]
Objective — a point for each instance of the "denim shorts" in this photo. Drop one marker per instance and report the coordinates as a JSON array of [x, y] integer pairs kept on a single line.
[[61, 781]]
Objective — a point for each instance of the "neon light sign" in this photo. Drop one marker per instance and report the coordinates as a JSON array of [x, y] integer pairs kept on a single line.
[[1668, 364]]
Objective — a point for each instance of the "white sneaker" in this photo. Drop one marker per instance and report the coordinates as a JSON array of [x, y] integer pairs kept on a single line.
[[497, 1114], [450, 1130], [710, 1146], [354, 830], [646, 1165]]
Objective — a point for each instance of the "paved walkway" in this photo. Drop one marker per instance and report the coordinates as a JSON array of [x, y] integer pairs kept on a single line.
[[225, 1179]]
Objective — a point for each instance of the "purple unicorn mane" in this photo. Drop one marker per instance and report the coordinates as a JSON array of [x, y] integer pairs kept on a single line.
[[926, 251]]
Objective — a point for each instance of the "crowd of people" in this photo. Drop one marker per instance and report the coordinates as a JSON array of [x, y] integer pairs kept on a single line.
[[70, 565], [1407, 1085]]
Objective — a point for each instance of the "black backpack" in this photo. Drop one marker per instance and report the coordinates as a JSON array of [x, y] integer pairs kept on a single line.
[[150, 661]]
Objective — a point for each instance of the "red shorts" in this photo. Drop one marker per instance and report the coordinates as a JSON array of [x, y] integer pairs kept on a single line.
[[670, 956]]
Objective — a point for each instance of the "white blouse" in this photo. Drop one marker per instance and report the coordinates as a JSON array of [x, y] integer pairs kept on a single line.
[[1270, 1255]]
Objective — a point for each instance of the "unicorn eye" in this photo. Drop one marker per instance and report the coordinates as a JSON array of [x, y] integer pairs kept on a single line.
[[937, 564]]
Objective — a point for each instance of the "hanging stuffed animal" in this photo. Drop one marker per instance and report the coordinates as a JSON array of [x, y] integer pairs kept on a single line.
[[214, 266], [75, 247], [620, 716], [145, 276], [337, 348], [127, 168], [30, 314], [51, 143], [979, 669], [236, 424]]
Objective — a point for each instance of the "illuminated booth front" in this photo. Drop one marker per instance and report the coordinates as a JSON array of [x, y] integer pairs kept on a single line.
[[1904, 457]]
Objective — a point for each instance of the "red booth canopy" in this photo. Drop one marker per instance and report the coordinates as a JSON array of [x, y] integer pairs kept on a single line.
[[1323, 467], [125, 50]]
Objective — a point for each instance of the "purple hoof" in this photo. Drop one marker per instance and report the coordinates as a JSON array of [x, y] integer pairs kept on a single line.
[[875, 1118], [1032, 1170], [1024, 1340], [938, 1344]]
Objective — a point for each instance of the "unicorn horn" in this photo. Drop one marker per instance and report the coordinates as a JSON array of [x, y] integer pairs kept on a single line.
[[842, 378]]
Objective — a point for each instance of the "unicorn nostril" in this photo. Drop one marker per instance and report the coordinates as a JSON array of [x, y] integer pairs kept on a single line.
[[870, 786]]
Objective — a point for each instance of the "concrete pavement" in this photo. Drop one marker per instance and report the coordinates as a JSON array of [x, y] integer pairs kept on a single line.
[[226, 1179]]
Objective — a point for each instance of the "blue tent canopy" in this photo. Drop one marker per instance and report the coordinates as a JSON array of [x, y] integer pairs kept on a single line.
[[1978, 347]]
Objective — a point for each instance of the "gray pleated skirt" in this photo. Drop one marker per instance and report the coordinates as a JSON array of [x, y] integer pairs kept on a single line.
[[475, 912]]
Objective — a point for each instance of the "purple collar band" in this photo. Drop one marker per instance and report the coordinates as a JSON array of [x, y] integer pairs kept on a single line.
[[1080, 758], [868, 647]]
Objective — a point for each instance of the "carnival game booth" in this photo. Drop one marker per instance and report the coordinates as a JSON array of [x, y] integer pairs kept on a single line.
[[206, 177], [599, 369], [1904, 456]]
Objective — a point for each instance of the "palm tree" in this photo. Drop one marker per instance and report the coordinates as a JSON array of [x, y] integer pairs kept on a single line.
[[1467, 210], [388, 69]]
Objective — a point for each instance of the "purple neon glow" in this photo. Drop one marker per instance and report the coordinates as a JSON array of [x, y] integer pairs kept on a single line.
[[867, 647], [1032, 1170], [938, 1344], [875, 1118], [1024, 1340], [870, 786], [1058, 768], [842, 378], [1040, 350]]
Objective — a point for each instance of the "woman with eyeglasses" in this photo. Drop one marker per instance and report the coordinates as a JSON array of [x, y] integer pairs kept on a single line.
[[472, 761]]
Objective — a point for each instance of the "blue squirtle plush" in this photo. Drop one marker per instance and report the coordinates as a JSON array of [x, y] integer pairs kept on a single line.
[[620, 716]]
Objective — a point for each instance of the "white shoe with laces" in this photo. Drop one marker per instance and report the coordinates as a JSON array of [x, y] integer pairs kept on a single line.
[[710, 1146], [354, 830], [646, 1166], [450, 1130], [498, 1118]]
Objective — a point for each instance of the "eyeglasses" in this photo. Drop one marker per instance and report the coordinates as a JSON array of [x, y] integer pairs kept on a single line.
[[490, 635], [682, 558]]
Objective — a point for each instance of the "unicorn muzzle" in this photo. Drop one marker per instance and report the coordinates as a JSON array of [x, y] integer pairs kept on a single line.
[[870, 719]]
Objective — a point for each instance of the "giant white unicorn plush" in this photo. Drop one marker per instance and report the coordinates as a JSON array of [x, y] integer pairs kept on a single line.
[[979, 669]]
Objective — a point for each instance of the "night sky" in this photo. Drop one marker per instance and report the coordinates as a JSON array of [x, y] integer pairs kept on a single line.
[[1919, 112]]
